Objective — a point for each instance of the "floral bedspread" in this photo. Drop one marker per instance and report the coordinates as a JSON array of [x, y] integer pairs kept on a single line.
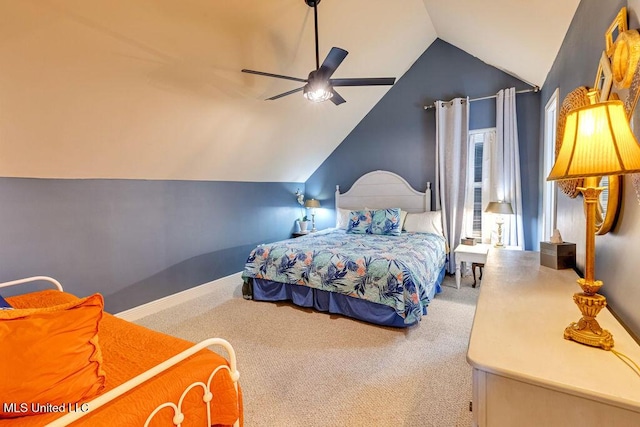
[[397, 271]]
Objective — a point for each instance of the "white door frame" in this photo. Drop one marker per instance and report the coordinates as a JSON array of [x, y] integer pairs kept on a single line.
[[549, 188]]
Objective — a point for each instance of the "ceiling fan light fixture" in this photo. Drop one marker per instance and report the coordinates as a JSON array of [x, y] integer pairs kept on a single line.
[[317, 93], [319, 85]]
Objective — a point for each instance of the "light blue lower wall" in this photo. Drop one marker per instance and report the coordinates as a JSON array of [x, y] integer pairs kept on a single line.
[[135, 241], [399, 135]]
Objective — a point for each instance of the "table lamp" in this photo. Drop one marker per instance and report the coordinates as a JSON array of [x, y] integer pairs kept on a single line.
[[500, 208], [597, 142], [313, 204]]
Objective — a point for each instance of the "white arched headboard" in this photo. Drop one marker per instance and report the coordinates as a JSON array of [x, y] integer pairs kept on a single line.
[[383, 189]]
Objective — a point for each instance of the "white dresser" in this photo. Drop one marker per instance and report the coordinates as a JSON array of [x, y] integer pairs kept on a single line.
[[524, 372]]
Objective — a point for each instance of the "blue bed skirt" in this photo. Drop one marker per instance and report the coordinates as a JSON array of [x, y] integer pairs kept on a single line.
[[266, 290]]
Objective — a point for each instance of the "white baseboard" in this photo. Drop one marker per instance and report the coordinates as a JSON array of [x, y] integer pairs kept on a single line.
[[152, 307]]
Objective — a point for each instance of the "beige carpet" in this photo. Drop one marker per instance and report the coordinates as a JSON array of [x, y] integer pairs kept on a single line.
[[299, 367]]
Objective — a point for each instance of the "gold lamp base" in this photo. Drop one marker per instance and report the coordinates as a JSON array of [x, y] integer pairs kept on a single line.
[[587, 330]]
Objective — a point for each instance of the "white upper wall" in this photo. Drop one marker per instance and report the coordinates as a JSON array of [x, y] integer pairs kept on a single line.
[[152, 89]]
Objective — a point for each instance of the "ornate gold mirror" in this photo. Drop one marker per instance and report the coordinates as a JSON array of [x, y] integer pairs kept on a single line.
[[607, 209], [610, 197]]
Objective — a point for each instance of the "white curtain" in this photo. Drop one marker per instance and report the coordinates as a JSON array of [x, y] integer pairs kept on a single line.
[[504, 173], [452, 128]]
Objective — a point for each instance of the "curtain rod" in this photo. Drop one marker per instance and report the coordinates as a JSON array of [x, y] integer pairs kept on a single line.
[[534, 89]]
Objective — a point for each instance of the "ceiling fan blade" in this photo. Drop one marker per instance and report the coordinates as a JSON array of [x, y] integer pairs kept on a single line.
[[285, 94], [277, 76], [332, 61], [336, 98], [366, 81]]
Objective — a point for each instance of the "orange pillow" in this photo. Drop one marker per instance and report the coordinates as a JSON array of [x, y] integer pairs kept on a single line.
[[50, 356]]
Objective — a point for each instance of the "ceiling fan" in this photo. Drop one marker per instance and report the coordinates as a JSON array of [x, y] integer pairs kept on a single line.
[[319, 84]]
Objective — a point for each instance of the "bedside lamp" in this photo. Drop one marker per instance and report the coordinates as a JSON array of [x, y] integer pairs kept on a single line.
[[597, 142], [313, 204], [500, 208]]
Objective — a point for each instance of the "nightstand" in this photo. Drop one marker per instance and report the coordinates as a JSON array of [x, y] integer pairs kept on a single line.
[[476, 255], [299, 234]]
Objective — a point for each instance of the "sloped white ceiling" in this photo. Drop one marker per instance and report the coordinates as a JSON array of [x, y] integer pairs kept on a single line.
[[152, 89], [521, 37]]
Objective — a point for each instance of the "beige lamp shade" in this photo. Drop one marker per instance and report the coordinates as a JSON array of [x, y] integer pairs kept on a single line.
[[499, 207], [597, 141], [312, 203]]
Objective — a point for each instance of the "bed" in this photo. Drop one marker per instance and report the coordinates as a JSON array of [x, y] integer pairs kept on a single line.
[[138, 377], [385, 276]]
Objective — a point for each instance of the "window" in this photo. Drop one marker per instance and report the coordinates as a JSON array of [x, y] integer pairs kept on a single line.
[[476, 194], [477, 142]]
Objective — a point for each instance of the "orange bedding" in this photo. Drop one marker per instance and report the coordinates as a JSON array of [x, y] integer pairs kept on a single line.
[[128, 350]]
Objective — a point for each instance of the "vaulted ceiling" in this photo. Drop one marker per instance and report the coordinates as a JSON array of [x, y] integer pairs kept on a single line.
[[152, 89]]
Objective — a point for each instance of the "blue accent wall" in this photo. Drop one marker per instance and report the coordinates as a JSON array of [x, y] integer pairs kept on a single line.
[[399, 135], [616, 252], [135, 241], [577, 61]]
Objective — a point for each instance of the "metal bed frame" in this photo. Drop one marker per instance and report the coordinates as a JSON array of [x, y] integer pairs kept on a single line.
[[113, 394]]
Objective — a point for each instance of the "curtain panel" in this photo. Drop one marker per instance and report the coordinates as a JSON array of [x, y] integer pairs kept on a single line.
[[452, 129], [505, 183]]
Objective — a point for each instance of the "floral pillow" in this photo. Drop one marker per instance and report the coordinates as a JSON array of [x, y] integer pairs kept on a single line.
[[360, 222], [381, 221]]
